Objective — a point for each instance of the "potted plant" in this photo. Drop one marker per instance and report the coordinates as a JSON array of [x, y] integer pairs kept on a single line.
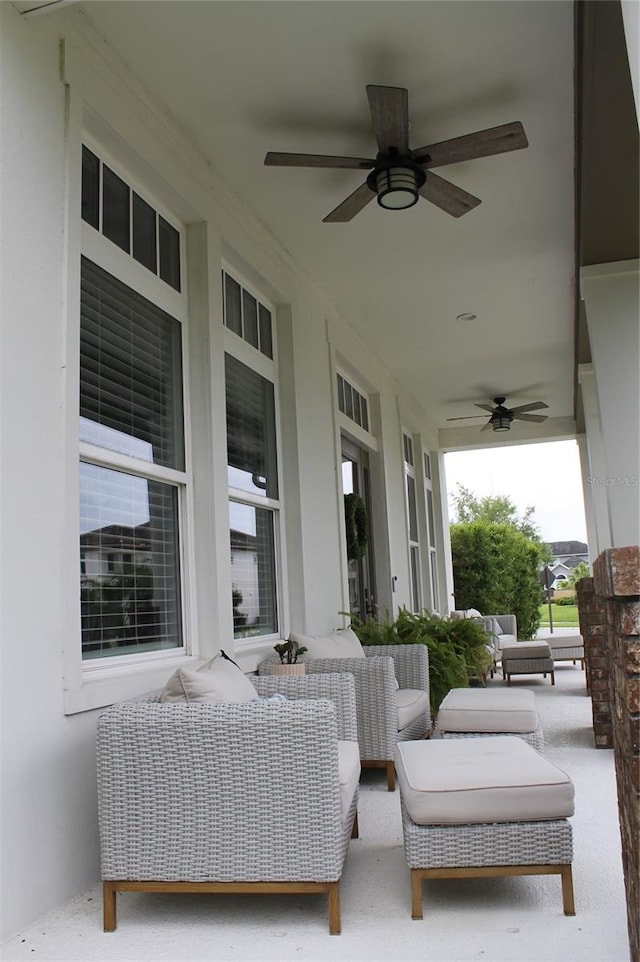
[[289, 651]]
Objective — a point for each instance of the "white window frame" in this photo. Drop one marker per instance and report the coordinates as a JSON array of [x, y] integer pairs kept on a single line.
[[433, 588], [93, 683], [244, 352], [416, 589]]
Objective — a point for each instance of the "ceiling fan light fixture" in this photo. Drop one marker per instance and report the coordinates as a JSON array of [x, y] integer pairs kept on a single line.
[[501, 422], [396, 185]]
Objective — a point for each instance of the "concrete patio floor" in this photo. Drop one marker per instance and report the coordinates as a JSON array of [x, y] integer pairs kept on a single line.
[[516, 919]]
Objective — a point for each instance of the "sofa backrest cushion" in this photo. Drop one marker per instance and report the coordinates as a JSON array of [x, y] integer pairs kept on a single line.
[[343, 643], [219, 681]]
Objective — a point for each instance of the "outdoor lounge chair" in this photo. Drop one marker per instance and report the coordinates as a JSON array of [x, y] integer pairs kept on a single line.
[[392, 691], [258, 797]]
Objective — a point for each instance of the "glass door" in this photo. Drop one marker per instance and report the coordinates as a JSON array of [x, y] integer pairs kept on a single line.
[[356, 489]]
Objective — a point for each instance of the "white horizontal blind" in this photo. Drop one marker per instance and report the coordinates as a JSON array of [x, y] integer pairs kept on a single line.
[[130, 371], [251, 430], [131, 404]]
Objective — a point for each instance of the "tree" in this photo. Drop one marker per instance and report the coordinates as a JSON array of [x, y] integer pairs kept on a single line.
[[498, 509], [581, 570], [497, 554]]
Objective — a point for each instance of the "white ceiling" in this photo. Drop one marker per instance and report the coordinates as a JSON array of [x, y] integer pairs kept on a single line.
[[245, 77]]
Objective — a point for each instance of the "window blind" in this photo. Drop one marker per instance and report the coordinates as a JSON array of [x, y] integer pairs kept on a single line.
[[130, 369]]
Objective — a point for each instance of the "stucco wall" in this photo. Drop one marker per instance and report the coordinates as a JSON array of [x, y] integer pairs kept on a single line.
[[49, 821]]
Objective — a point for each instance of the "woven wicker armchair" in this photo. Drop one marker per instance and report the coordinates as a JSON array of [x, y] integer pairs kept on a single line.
[[255, 797], [507, 635], [392, 698]]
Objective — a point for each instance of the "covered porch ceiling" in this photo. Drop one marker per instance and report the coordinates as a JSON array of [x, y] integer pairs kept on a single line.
[[244, 78]]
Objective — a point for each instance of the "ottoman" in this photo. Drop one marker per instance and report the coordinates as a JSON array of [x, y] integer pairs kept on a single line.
[[565, 647], [477, 807], [476, 712], [527, 658]]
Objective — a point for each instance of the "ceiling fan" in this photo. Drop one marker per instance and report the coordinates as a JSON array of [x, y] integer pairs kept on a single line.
[[501, 416], [399, 176]]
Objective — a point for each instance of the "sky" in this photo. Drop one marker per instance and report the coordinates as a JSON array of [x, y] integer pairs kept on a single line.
[[546, 476]]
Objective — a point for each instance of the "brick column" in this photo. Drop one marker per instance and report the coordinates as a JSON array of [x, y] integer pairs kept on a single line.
[[593, 628], [616, 577]]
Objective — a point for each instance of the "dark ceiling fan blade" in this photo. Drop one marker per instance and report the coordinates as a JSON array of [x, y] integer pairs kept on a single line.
[[488, 425], [468, 417], [485, 407], [445, 195], [484, 143], [348, 209], [535, 406], [538, 418], [389, 108], [280, 159]]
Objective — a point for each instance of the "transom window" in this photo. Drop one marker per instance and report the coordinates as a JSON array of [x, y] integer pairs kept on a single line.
[[246, 316], [126, 219], [352, 403]]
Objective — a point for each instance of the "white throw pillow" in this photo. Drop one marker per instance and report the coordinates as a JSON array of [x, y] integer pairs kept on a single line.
[[219, 681], [473, 613], [343, 643], [496, 627]]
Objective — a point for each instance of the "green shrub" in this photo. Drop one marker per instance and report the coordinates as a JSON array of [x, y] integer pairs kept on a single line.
[[495, 569], [457, 648], [571, 600]]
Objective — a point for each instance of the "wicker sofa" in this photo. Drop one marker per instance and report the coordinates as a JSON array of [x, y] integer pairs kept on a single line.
[[202, 797], [391, 686]]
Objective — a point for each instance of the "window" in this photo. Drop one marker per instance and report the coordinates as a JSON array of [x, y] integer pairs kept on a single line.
[[252, 465], [431, 533], [112, 207], [412, 523], [246, 316], [132, 470], [352, 403]]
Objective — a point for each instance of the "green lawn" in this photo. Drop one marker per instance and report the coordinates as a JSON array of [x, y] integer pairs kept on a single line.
[[564, 616]]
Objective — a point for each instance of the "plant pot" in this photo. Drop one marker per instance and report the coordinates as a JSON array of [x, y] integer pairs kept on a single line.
[[278, 669]]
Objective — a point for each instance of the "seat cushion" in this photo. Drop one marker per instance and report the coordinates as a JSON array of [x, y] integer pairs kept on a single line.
[[349, 773], [343, 643], [526, 649], [564, 641], [412, 702], [478, 780], [488, 710]]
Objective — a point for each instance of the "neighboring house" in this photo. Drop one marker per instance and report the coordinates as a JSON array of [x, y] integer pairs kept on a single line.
[[569, 553], [186, 401]]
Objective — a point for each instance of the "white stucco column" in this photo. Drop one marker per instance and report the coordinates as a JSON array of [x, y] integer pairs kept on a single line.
[[612, 397]]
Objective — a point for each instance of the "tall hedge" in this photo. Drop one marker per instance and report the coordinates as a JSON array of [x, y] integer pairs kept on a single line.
[[495, 569]]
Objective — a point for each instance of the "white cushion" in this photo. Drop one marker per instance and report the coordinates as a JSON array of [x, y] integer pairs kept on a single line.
[[488, 710], [564, 641], [500, 779], [348, 773], [412, 702], [219, 680], [496, 627], [339, 644], [526, 649], [473, 613]]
